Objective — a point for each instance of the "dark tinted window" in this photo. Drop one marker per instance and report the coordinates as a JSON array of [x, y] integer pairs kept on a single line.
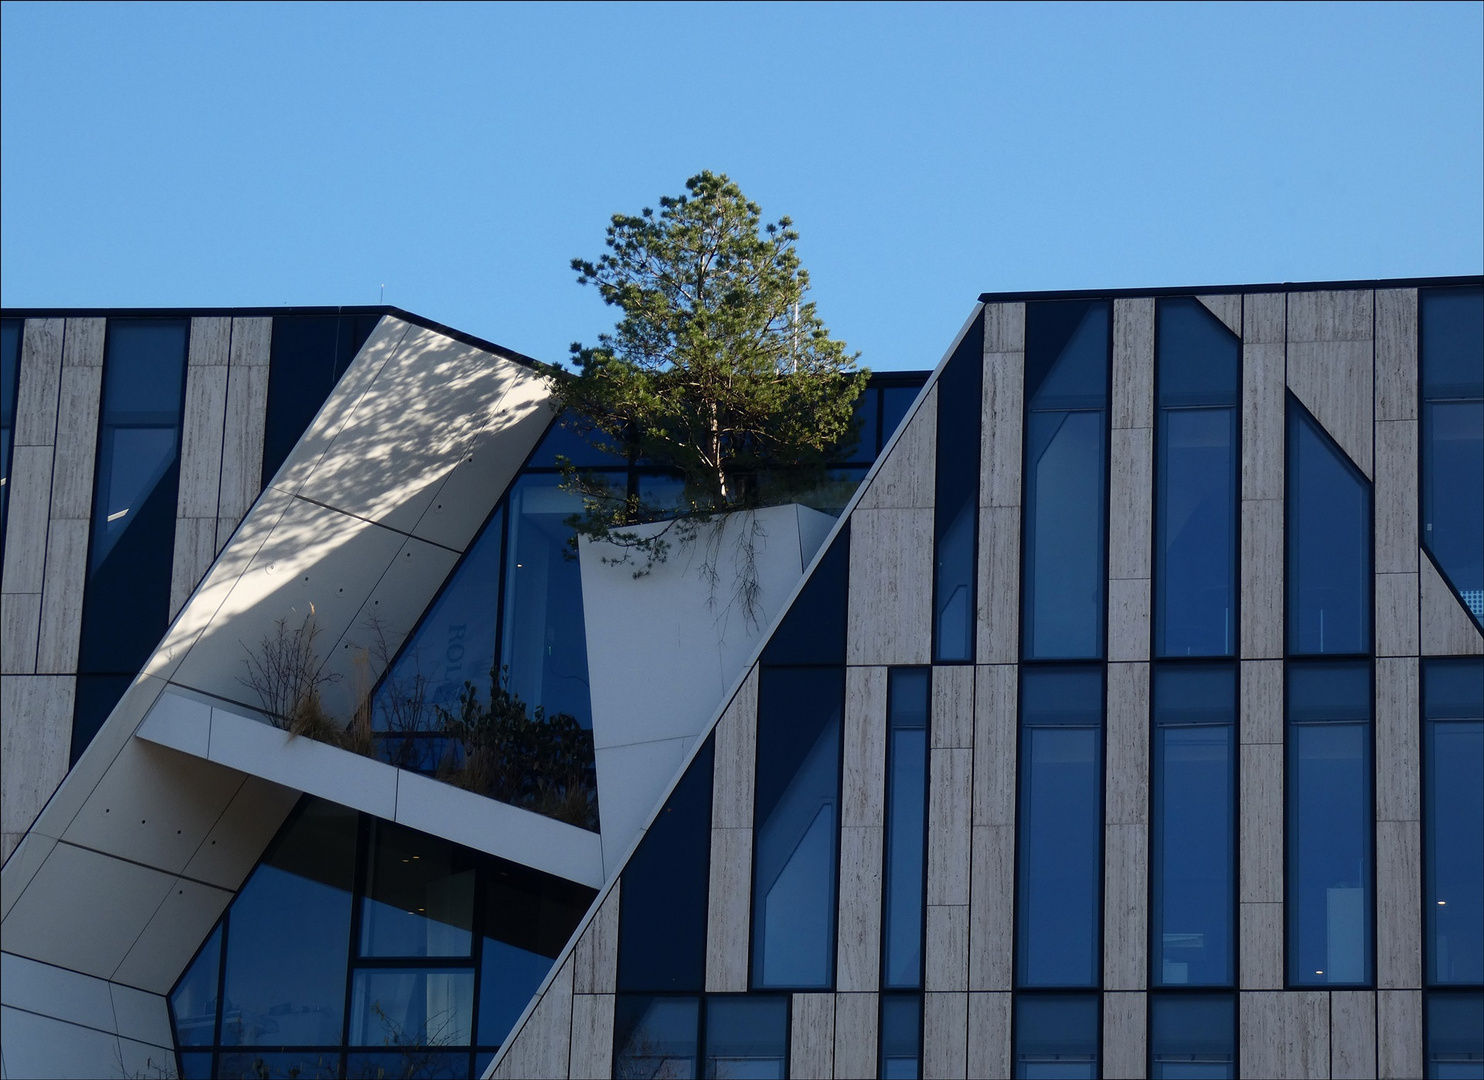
[[796, 838], [662, 924], [1067, 364], [10, 367], [1193, 827], [1330, 824], [1329, 543], [1056, 1035], [813, 631], [308, 355], [1059, 903], [1453, 820], [906, 826], [1192, 1035], [956, 513]]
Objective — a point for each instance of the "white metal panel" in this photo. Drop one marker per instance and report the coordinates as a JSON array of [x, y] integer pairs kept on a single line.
[[171, 937]]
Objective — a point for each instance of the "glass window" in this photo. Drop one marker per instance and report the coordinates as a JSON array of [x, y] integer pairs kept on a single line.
[[1453, 748], [656, 1037], [96, 697], [1192, 1036], [662, 923], [582, 449], [1330, 824], [901, 1036], [306, 357], [1056, 1036], [1196, 517], [746, 1036], [1193, 827], [906, 826], [863, 447], [1452, 345], [1455, 1035], [1329, 543], [796, 830], [544, 641], [956, 513], [289, 936], [527, 919], [1059, 894], [1065, 521], [193, 1004], [411, 1007], [127, 602], [419, 895], [293, 1065], [813, 630], [895, 401], [419, 1062]]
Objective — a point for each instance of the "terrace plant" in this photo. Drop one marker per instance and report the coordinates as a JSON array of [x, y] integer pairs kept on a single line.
[[720, 369]]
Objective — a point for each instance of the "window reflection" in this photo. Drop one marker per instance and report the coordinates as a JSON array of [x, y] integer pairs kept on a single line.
[[1058, 908], [1196, 512], [1193, 826], [797, 831], [955, 518], [906, 824], [451, 947], [901, 1036], [1330, 823], [1455, 1035], [1329, 543], [1192, 1036], [1453, 801], [1056, 1036], [1452, 347], [656, 1037], [746, 1036], [1067, 364]]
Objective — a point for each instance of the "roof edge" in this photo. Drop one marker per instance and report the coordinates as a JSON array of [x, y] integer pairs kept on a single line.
[[1216, 290]]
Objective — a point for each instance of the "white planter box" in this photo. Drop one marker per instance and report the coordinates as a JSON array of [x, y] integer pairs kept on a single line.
[[663, 648]]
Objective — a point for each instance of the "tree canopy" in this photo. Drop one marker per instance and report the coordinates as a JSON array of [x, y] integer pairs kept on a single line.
[[720, 366]]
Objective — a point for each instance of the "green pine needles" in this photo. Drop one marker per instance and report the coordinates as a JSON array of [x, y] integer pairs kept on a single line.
[[720, 368]]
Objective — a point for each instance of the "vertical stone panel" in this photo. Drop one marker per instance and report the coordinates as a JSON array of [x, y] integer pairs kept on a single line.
[[1262, 702], [1397, 629], [989, 1036], [1262, 946], [945, 1022], [1399, 1034], [991, 908], [1125, 907], [950, 796], [1124, 1042], [863, 785], [195, 548], [595, 960], [61, 597], [246, 421], [26, 519], [891, 587], [855, 1035], [201, 437], [542, 1046], [77, 440], [1133, 363], [858, 959], [1262, 578], [1396, 497], [998, 577], [1002, 420], [729, 910], [592, 1037], [20, 626], [1398, 754], [1127, 791], [1261, 826], [946, 965], [1352, 1024], [996, 695], [1131, 487], [953, 707], [38, 383], [811, 1052], [736, 755], [1284, 1035], [1398, 904], [1396, 354], [1004, 328]]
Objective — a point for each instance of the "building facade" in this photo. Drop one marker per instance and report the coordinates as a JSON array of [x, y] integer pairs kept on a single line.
[[1115, 708]]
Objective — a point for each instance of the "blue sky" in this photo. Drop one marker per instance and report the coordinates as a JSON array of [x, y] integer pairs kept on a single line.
[[181, 155]]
